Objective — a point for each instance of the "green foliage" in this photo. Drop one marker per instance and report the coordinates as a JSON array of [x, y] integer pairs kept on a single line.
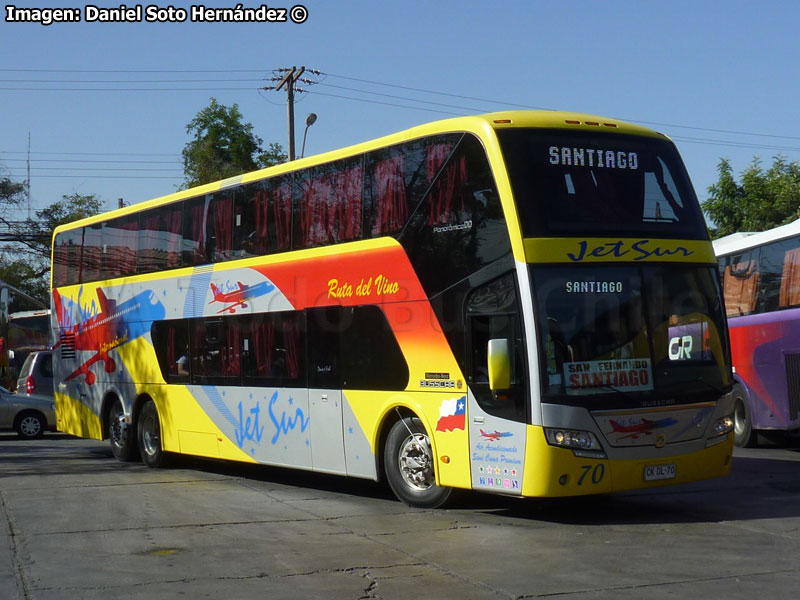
[[11, 192], [763, 199], [69, 208], [27, 264], [23, 275], [273, 155], [223, 146]]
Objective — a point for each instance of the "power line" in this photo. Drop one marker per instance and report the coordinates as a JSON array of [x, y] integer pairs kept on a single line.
[[334, 75], [99, 160], [92, 153], [147, 170], [442, 112], [405, 87], [129, 80], [734, 144], [526, 106], [403, 100], [126, 89], [131, 70], [173, 177], [396, 97]]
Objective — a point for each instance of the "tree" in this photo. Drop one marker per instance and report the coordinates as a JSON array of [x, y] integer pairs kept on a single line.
[[274, 155], [11, 193], [223, 146], [26, 264], [763, 199]]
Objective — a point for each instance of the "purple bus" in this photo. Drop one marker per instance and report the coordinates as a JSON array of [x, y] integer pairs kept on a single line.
[[761, 280]]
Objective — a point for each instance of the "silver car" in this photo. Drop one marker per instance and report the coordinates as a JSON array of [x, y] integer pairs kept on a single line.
[[36, 375], [27, 414]]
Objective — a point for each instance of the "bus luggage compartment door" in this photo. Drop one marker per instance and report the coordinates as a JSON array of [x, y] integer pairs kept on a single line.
[[325, 426]]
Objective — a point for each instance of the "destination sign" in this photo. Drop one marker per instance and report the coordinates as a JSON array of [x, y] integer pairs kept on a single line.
[[593, 157]]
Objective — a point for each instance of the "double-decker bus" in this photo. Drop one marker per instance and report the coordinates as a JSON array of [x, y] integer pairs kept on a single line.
[[523, 302], [24, 327], [761, 284]]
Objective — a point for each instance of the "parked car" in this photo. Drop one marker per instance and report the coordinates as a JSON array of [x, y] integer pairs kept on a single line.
[[27, 414], [36, 375]]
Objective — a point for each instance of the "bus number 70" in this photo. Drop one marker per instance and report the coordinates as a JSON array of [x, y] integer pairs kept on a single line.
[[597, 472]]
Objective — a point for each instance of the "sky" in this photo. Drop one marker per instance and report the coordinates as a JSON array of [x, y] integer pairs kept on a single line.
[[102, 108]]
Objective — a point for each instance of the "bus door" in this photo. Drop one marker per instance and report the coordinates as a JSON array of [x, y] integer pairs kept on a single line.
[[497, 418], [325, 391]]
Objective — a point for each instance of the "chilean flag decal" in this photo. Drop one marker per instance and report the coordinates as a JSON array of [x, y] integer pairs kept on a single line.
[[452, 414]]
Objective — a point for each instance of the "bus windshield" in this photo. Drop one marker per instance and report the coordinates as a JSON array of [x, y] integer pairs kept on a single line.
[[584, 183], [654, 333]]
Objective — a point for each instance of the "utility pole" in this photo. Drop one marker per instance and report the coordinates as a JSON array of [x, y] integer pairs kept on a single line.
[[28, 180], [289, 80]]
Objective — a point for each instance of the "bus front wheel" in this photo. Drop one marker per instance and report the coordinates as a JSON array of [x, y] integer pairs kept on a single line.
[[409, 462], [148, 435], [744, 435]]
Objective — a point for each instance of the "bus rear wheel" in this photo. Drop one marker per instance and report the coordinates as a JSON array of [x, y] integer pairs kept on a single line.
[[744, 435], [409, 463], [148, 435], [123, 446]]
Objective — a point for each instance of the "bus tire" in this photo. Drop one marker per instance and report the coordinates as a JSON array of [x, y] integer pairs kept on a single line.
[[744, 435], [148, 435], [409, 463], [120, 433]]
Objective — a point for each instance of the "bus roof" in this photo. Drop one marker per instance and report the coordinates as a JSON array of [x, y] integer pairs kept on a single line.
[[738, 242], [477, 124]]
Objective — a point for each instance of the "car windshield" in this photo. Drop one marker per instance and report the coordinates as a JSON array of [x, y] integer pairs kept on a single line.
[[654, 334]]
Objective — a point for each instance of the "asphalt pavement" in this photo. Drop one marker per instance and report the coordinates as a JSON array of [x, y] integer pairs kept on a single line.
[[77, 524]]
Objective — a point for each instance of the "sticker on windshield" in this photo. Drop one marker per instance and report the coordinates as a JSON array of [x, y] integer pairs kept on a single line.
[[602, 376]]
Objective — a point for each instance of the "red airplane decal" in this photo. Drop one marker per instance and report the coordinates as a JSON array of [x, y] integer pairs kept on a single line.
[[494, 436], [646, 427], [237, 297], [106, 330]]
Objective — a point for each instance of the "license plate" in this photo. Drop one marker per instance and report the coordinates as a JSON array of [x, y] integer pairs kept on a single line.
[[656, 472]]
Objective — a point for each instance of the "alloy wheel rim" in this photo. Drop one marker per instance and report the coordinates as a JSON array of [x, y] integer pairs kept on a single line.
[[30, 426], [415, 461]]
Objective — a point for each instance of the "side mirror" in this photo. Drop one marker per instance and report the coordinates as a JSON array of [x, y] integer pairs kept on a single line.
[[499, 359]]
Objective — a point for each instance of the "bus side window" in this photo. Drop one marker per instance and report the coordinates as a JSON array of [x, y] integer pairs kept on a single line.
[[194, 236], [370, 357], [324, 325], [780, 272], [92, 253], [219, 228], [790, 280], [740, 283], [245, 220], [171, 342]]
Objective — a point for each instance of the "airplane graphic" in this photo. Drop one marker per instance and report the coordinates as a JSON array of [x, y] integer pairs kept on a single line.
[[106, 330], [493, 436], [238, 297], [646, 427]]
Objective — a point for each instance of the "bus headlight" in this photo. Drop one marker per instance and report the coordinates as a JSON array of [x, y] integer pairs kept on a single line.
[[719, 431], [723, 425], [570, 438]]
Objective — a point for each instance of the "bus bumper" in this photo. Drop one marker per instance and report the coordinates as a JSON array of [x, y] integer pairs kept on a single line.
[[555, 472]]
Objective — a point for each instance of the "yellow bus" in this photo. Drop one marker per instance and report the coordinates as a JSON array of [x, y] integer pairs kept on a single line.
[[524, 303]]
